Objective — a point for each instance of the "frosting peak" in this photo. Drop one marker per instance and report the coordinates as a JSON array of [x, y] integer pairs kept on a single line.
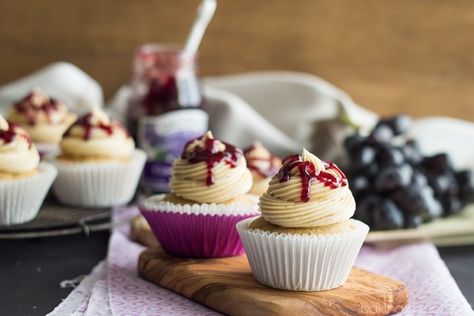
[[211, 151], [37, 107], [95, 135], [210, 171], [45, 119], [17, 153], [307, 192], [3, 123]]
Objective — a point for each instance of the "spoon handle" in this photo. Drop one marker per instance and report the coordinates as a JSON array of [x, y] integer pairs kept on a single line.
[[204, 15]]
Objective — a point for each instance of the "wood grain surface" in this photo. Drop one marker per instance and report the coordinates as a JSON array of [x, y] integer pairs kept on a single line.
[[409, 56], [227, 285]]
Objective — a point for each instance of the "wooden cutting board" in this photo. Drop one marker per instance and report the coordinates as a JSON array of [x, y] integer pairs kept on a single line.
[[227, 285]]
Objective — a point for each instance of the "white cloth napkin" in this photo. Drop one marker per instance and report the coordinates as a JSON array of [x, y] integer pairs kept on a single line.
[[61, 80], [284, 110], [114, 287]]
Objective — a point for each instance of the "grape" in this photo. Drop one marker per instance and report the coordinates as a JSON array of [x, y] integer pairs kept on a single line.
[[365, 208], [359, 184], [444, 184], [466, 187], [382, 133], [363, 157], [390, 155], [393, 177], [387, 215], [419, 178], [395, 186], [399, 124], [418, 200], [412, 152], [437, 164], [412, 221], [451, 204], [354, 142]]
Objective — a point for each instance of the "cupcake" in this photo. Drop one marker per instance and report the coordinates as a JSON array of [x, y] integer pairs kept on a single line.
[[98, 165], [45, 119], [263, 166], [24, 181], [305, 239], [208, 197]]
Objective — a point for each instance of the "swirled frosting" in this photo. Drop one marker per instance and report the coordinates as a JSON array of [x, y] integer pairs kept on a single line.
[[45, 119], [210, 171], [95, 136], [17, 153], [307, 192]]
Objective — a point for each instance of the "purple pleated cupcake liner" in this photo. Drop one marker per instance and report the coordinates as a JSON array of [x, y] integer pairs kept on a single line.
[[196, 235]]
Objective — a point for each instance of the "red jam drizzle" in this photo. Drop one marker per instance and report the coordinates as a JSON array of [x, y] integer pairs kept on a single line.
[[86, 122], [211, 155], [307, 172], [7, 136], [30, 111], [252, 164]]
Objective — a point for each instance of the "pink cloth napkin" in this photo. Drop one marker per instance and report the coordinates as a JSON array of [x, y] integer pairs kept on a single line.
[[114, 288]]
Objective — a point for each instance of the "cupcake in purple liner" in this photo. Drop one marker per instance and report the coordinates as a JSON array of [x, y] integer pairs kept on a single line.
[[208, 198]]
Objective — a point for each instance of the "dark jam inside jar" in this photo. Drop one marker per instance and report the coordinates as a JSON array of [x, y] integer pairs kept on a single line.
[[164, 109], [164, 79]]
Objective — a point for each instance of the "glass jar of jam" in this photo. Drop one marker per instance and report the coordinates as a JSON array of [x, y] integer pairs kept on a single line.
[[164, 108]]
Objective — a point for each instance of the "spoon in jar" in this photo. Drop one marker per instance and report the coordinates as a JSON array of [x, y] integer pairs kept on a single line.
[[204, 15]]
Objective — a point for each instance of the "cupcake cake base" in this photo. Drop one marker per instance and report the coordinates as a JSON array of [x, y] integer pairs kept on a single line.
[[302, 262]]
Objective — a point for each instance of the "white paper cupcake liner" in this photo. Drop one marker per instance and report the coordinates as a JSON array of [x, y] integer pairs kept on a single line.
[[98, 184], [301, 262], [21, 199]]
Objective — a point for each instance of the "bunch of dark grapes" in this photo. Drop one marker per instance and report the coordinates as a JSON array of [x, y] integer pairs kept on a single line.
[[395, 186]]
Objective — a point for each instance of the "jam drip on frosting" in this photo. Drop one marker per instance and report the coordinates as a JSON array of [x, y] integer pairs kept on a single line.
[[255, 163], [37, 102], [211, 151], [9, 131], [86, 121], [308, 173], [96, 120]]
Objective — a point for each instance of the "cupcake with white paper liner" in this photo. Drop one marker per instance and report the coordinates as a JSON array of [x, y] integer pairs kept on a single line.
[[305, 239], [24, 181], [98, 165], [208, 197], [263, 165], [44, 118]]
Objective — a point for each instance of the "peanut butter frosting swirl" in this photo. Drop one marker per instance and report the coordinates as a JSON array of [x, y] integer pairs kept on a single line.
[[17, 153], [210, 171], [95, 135], [44, 118], [307, 192]]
